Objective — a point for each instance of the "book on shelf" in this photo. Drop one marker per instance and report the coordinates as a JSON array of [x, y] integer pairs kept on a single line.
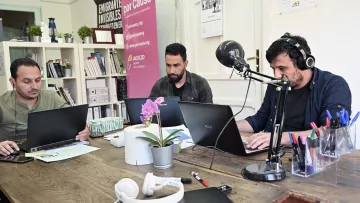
[[116, 66], [94, 65], [34, 57], [121, 88], [98, 112], [62, 92], [54, 69]]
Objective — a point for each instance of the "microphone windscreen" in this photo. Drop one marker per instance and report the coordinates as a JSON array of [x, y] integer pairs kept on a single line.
[[230, 51]]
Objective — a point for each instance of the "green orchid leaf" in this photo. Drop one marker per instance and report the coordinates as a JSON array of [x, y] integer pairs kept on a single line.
[[176, 131], [171, 139], [179, 147], [149, 140], [172, 134], [152, 136]]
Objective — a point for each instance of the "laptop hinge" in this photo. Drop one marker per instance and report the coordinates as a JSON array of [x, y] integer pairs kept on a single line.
[[52, 145]]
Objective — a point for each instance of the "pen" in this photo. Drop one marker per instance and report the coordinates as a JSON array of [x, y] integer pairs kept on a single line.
[[356, 116], [295, 151], [328, 114], [327, 122], [313, 126], [196, 176]]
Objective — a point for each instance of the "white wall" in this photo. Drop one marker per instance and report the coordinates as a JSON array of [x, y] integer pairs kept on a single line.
[[83, 12], [332, 32], [59, 11]]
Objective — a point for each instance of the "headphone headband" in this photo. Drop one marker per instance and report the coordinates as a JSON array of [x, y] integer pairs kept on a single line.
[[306, 60]]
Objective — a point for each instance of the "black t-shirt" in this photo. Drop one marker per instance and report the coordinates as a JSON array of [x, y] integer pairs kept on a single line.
[[296, 108], [178, 91]]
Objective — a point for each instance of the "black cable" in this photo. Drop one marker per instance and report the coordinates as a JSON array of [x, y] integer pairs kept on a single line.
[[218, 137]]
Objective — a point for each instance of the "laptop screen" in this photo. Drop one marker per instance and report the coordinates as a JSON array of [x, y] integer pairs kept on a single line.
[[170, 113], [205, 122], [57, 125]]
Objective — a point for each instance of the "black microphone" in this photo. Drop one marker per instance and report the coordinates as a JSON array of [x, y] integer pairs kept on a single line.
[[231, 54]]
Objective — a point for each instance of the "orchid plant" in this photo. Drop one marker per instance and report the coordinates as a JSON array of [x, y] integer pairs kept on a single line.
[[148, 111]]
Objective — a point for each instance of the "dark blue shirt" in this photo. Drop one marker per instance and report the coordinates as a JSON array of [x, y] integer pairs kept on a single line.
[[327, 92]]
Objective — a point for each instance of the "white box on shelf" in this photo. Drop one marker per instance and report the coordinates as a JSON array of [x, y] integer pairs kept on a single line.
[[98, 99], [101, 91]]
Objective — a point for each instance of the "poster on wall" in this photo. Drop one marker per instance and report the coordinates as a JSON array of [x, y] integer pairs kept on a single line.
[[211, 18], [287, 6], [109, 15], [141, 46]]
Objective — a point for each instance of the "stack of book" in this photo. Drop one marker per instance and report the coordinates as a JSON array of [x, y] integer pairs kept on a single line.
[[54, 69], [121, 88], [116, 66], [62, 92], [94, 65]]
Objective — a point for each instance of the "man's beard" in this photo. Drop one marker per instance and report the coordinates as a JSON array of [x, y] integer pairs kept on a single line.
[[298, 79], [177, 78]]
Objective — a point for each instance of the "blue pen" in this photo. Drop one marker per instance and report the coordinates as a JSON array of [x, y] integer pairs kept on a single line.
[[328, 114], [356, 116]]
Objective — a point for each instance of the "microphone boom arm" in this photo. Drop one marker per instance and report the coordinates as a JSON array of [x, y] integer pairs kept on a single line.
[[273, 169]]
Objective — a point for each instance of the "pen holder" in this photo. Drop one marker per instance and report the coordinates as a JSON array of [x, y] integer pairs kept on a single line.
[[307, 159], [338, 141]]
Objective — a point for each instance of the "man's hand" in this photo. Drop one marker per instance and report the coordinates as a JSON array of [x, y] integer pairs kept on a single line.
[[259, 140], [262, 139], [83, 135], [6, 148]]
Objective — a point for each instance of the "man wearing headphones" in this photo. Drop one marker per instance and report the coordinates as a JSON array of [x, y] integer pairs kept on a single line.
[[313, 91], [26, 97]]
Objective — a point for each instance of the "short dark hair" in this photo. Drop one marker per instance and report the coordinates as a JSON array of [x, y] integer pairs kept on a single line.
[[280, 46], [176, 49], [21, 62]]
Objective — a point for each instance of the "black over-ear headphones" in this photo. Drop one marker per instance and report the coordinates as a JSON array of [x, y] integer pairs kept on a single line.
[[305, 60]]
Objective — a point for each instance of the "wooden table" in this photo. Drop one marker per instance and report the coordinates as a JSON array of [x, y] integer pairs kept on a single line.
[[344, 187], [91, 178]]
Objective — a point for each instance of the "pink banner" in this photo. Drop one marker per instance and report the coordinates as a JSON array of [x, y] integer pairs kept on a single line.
[[141, 46]]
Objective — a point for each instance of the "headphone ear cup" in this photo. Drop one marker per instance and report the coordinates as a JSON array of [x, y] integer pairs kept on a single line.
[[128, 187], [310, 61], [300, 62]]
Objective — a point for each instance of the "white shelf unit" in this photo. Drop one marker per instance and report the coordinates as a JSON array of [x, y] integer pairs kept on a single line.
[[104, 50], [44, 52]]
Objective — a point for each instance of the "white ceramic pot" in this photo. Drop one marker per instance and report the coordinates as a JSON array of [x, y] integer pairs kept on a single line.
[[35, 38], [67, 72], [69, 40], [87, 40], [60, 40]]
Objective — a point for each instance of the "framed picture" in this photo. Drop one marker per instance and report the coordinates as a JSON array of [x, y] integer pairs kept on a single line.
[[103, 36]]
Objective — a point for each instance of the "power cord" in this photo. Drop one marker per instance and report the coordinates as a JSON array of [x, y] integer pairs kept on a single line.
[[218, 137]]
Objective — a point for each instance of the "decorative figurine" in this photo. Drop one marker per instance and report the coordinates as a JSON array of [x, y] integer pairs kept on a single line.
[[45, 33], [26, 31], [52, 28]]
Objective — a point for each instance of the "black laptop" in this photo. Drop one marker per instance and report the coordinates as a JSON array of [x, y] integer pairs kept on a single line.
[[205, 122], [170, 113], [53, 128]]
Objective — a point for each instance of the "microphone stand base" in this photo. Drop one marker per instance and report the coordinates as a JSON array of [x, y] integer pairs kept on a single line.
[[267, 172]]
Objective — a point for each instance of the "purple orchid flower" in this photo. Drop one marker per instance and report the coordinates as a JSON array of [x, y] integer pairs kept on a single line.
[[149, 108], [159, 101]]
